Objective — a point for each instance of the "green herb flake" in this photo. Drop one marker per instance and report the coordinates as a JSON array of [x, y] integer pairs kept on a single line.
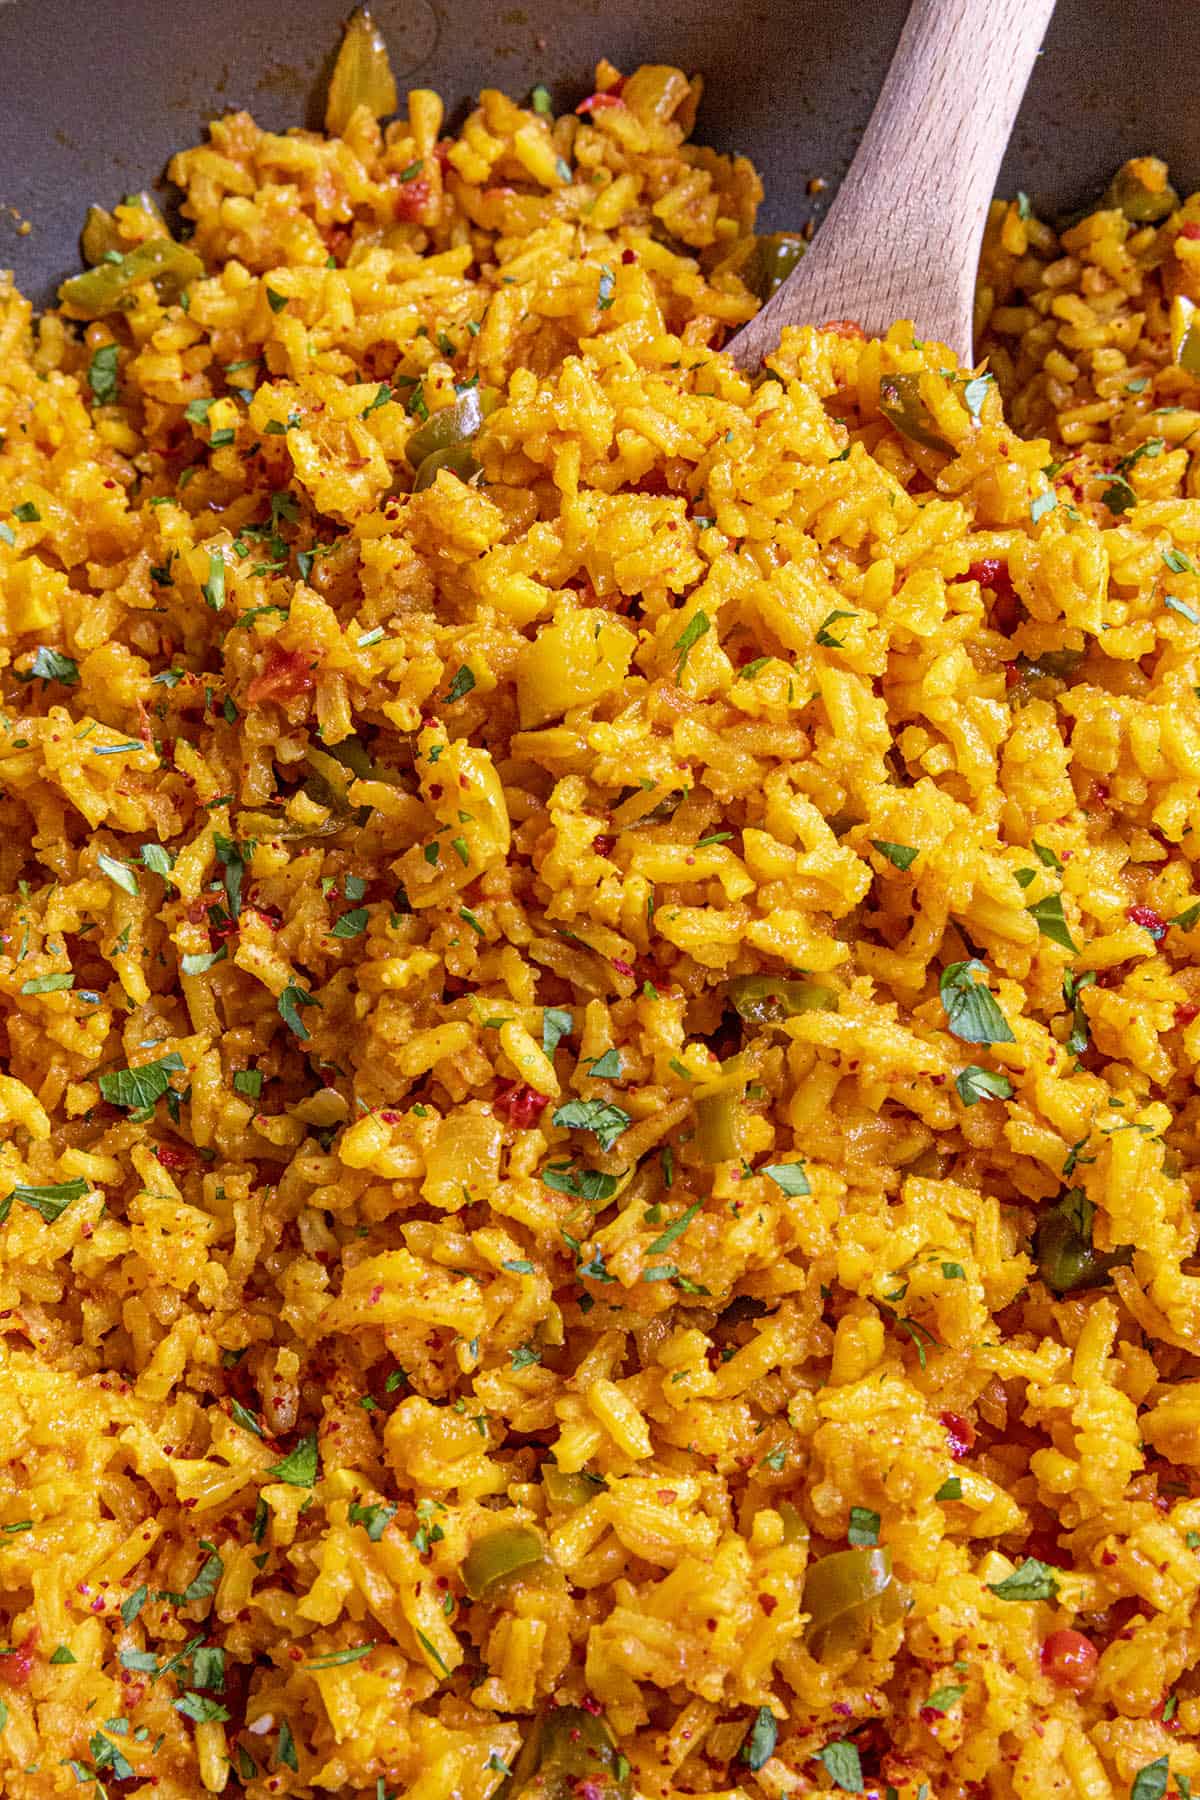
[[1034, 1580], [975, 1084], [790, 1177], [1150, 1782], [540, 101], [202, 961], [759, 1745], [63, 1655], [275, 301], [864, 1526], [118, 873], [606, 1067], [139, 1089], [214, 588], [285, 1749], [350, 924], [1177, 562], [825, 636], [48, 984], [292, 998], [951, 1489], [691, 634], [844, 1766], [901, 856], [52, 665], [943, 1698], [674, 1231], [1048, 916], [600, 1117], [1182, 608], [374, 1519], [248, 1082], [557, 1024], [462, 684], [1041, 504], [971, 1011], [299, 1467]]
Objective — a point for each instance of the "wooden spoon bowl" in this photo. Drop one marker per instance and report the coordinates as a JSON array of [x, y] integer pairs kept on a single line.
[[902, 237]]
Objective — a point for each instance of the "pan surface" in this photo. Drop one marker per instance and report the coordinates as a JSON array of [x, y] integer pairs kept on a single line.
[[96, 98]]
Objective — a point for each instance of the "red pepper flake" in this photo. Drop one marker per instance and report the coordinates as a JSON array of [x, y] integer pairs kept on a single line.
[[960, 1432], [846, 328], [1185, 1014], [622, 968], [667, 1495], [602, 844], [768, 1602], [1149, 920], [520, 1104], [1190, 230]]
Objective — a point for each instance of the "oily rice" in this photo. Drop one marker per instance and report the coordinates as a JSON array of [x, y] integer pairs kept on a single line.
[[599, 1034]]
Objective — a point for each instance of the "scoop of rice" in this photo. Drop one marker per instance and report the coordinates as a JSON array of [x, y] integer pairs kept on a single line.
[[599, 1034]]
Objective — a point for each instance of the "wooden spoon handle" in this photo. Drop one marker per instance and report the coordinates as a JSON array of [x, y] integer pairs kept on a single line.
[[902, 237]]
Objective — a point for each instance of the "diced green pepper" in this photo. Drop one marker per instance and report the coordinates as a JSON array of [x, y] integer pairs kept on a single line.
[[453, 426], [775, 256], [717, 1127], [1185, 334], [490, 1559], [1141, 189], [902, 405], [460, 459], [846, 1595], [104, 289], [766, 999], [574, 1489], [1067, 1258], [568, 1752]]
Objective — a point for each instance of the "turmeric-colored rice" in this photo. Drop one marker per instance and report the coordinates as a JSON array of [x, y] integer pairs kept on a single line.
[[660, 970]]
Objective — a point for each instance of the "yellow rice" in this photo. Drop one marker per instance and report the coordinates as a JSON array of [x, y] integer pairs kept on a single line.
[[641, 707]]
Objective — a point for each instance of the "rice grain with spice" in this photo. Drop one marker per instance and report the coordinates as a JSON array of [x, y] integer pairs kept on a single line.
[[597, 991]]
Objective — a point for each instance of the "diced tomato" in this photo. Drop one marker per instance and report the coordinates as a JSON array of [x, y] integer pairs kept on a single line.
[[603, 843], [1190, 230], [413, 198], [847, 328], [1151, 921], [176, 1156], [288, 673], [652, 482], [521, 1105], [1185, 1014], [1070, 1659], [17, 1668], [960, 1432], [598, 102]]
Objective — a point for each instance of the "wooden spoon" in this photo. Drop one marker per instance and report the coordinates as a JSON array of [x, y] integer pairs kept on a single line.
[[902, 237]]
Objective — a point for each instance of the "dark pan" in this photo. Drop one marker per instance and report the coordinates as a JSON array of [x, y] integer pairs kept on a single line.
[[97, 96]]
